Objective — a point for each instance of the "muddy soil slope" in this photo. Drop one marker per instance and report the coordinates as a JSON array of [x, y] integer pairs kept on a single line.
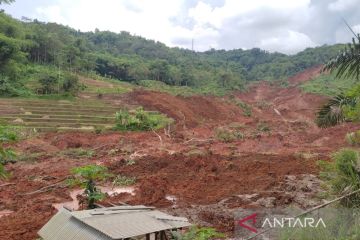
[[189, 170]]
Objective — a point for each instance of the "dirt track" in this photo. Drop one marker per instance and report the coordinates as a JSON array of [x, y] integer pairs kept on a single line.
[[208, 177]]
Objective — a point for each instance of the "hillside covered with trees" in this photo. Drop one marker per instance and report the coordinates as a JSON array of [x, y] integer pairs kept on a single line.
[[53, 54]]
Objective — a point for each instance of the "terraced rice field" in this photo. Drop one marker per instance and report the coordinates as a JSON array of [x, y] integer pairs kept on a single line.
[[52, 115]]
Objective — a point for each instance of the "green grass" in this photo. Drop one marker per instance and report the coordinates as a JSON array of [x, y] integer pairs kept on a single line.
[[110, 86], [341, 224], [77, 153], [328, 84], [182, 90]]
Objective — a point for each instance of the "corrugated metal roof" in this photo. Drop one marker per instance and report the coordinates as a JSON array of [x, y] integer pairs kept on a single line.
[[109, 223], [110, 210], [119, 226], [63, 226]]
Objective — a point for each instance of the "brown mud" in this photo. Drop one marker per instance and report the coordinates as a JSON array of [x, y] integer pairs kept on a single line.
[[190, 171]]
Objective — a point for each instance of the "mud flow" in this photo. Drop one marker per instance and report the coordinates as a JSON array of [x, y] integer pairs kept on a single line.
[[214, 160]]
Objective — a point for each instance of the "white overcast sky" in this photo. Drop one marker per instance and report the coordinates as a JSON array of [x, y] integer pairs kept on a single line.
[[286, 26]]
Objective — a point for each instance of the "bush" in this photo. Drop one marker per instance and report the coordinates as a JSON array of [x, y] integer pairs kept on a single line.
[[52, 83], [124, 181], [228, 135], [10, 88], [247, 111], [353, 138], [7, 134], [263, 127], [140, 120], [70, 83], [198, 233], [343, 175], [3, 173]]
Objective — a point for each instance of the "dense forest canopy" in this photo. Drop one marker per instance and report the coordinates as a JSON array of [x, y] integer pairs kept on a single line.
[[125, 57]]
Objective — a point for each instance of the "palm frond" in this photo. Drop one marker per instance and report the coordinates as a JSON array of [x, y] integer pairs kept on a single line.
[[346, 63], [331, 113]]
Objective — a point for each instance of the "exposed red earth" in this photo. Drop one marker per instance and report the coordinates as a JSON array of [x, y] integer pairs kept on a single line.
[[190, 172]]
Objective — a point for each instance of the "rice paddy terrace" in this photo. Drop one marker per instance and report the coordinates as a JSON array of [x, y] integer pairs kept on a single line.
[[53, 115]]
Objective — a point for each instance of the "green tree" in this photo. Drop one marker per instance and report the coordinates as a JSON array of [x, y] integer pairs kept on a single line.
[[160, 70], [49, 83], [86, 177]]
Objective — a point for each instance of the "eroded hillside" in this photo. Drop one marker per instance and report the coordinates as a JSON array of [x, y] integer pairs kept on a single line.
[[250, 150]]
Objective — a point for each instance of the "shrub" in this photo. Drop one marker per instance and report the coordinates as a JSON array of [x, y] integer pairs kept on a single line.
[[124, 181], [263, 127], [353, 138], [11, 88], [263, 105], [198, 233], [228, 135], [70, 83], [3, 173], [49, 84], [52, 83], [140, 120], [7, 134], [247, 110], [343, 175]]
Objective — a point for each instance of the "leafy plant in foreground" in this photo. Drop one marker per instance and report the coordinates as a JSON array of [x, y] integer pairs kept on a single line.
[[86, 177], [7, 134], [346, 64], [343, 175]]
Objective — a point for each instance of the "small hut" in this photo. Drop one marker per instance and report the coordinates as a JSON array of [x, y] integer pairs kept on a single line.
[[120, 222]]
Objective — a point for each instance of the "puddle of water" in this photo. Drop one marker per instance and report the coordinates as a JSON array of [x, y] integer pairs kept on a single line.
[[74, 204], [5, 213], [115, 191]]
